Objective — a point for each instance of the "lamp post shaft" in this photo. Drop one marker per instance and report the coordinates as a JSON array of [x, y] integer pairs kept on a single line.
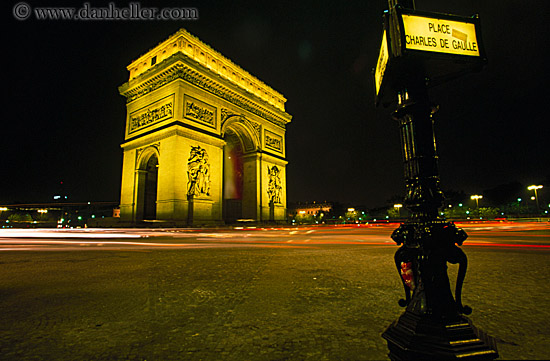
[[414, 113]]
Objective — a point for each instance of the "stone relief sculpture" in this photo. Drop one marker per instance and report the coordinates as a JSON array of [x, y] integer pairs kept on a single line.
[[200, 113], [198, 173], [274, 186]]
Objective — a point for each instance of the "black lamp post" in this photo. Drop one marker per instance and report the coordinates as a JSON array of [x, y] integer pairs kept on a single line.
[[434, 325]]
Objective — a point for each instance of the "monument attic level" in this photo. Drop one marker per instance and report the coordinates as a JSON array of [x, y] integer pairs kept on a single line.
[[204, 140], [186, 43]]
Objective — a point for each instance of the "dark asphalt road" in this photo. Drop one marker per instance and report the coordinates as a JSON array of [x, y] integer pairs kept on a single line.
[[319, 293]]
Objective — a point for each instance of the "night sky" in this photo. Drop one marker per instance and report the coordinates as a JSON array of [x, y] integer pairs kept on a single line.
[[63, 118]]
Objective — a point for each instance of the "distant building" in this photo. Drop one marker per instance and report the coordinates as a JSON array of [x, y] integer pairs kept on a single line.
[[312, 208]]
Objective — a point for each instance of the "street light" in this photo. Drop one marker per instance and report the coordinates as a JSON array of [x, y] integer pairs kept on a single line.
[[477, 198], [398, 207], [534, 188]]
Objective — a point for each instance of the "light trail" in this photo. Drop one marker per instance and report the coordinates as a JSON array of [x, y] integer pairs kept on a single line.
[[533, 235], [515, 245], [65, 233]]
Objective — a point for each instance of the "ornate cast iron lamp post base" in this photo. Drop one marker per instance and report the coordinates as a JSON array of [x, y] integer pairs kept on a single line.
[[433, 326]]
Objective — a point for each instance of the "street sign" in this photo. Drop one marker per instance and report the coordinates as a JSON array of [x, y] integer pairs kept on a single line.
[[440, 35], [383, 57], [439, 46]]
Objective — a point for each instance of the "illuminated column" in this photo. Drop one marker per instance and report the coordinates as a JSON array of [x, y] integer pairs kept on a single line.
[[139, 190], [127, 199]]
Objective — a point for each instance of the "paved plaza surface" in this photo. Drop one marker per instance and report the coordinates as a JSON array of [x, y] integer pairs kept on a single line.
[[318, 293]]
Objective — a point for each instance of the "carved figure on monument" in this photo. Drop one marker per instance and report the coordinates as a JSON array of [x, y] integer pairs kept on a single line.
[[198, 173], [274, 186]]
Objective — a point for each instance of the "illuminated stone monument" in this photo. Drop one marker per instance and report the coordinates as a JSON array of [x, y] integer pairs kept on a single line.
[[204, 140]]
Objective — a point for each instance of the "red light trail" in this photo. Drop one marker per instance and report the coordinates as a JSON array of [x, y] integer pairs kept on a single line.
[[528, 235]]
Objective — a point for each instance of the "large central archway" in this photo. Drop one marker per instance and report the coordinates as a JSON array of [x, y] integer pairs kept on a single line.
[[232, 178], [239, 175]]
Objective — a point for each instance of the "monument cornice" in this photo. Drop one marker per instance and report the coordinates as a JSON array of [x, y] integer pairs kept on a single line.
[[273, 158], [180, 66], [172, 129]]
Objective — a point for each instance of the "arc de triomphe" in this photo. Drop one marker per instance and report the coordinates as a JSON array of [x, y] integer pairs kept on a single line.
[[204, 140]]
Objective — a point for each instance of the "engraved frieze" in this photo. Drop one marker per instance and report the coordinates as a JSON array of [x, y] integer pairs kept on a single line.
[[200, 112], [273, 141], [155, 112], [180, 71]]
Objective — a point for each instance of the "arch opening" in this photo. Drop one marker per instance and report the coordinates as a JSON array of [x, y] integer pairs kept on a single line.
[[240, 178], [233, 174], [147, 188]]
